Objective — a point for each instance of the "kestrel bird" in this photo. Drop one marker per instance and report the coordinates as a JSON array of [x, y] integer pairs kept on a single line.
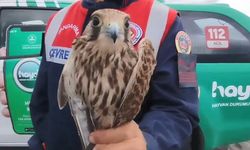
[[105, 79]]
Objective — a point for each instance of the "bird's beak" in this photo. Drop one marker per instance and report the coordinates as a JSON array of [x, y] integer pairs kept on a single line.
[[113, 31], [114, 36]]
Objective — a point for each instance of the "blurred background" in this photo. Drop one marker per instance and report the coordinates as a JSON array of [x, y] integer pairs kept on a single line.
[[237, 4]]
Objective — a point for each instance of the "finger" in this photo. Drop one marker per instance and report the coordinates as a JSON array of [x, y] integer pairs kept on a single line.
[[3, 98], [133, 144], [1, 81], [115, 135], [6, 112], [2, 52]]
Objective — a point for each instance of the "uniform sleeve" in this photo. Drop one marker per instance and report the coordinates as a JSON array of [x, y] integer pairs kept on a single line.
[[39, 102], [170, 112]]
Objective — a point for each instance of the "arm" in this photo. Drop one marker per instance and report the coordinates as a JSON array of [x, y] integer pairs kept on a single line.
[[170, 112]]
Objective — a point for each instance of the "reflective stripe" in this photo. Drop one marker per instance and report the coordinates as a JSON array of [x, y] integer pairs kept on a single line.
[[55, 25], [22, 3], [156, 24], [40, 3], [52, 32]]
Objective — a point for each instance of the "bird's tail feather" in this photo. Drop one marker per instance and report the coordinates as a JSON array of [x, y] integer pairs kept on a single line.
[[90, 146], [85, 127]]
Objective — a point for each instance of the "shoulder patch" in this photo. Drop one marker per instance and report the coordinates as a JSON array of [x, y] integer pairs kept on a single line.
[[136, 32], [183, 42]]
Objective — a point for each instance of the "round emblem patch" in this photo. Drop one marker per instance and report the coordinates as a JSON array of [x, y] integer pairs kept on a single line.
[[183, 42], [136, 32], [25, 73]]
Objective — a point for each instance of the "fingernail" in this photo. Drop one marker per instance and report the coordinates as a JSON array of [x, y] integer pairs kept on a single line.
[[91, 139]]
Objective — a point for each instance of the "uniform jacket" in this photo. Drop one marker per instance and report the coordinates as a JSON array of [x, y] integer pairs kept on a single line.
[[169, 112]]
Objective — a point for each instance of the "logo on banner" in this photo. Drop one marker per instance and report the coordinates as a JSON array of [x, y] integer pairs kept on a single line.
[[32, 39], [136, 32], [25, 73], [239, 92], [230, 93]]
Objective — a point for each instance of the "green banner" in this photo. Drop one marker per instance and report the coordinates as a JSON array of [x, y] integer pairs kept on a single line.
[[24, 43], [20, 76], [224, 102]]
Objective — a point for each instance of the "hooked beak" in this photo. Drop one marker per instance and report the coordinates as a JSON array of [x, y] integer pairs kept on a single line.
[[113, 31], [114, 36]]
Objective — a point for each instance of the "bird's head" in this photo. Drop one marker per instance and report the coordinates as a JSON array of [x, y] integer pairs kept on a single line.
[[109, 26]]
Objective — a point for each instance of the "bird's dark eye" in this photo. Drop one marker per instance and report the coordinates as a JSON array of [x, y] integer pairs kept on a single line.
[[96, 21], [126, 24]]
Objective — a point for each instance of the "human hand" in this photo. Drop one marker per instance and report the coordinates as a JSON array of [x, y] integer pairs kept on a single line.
[[3, 100], [2, 51], [126, 137]]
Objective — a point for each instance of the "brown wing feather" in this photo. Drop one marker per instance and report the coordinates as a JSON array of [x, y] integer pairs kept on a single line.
[[138, 86], [68, 92], [61, 94]]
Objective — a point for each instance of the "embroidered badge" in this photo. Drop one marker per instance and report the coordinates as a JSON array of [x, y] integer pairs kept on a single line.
[[136, 32], [187, 70], [183, 43]]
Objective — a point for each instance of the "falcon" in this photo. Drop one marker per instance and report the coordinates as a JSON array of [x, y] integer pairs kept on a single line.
[[105, 79]]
